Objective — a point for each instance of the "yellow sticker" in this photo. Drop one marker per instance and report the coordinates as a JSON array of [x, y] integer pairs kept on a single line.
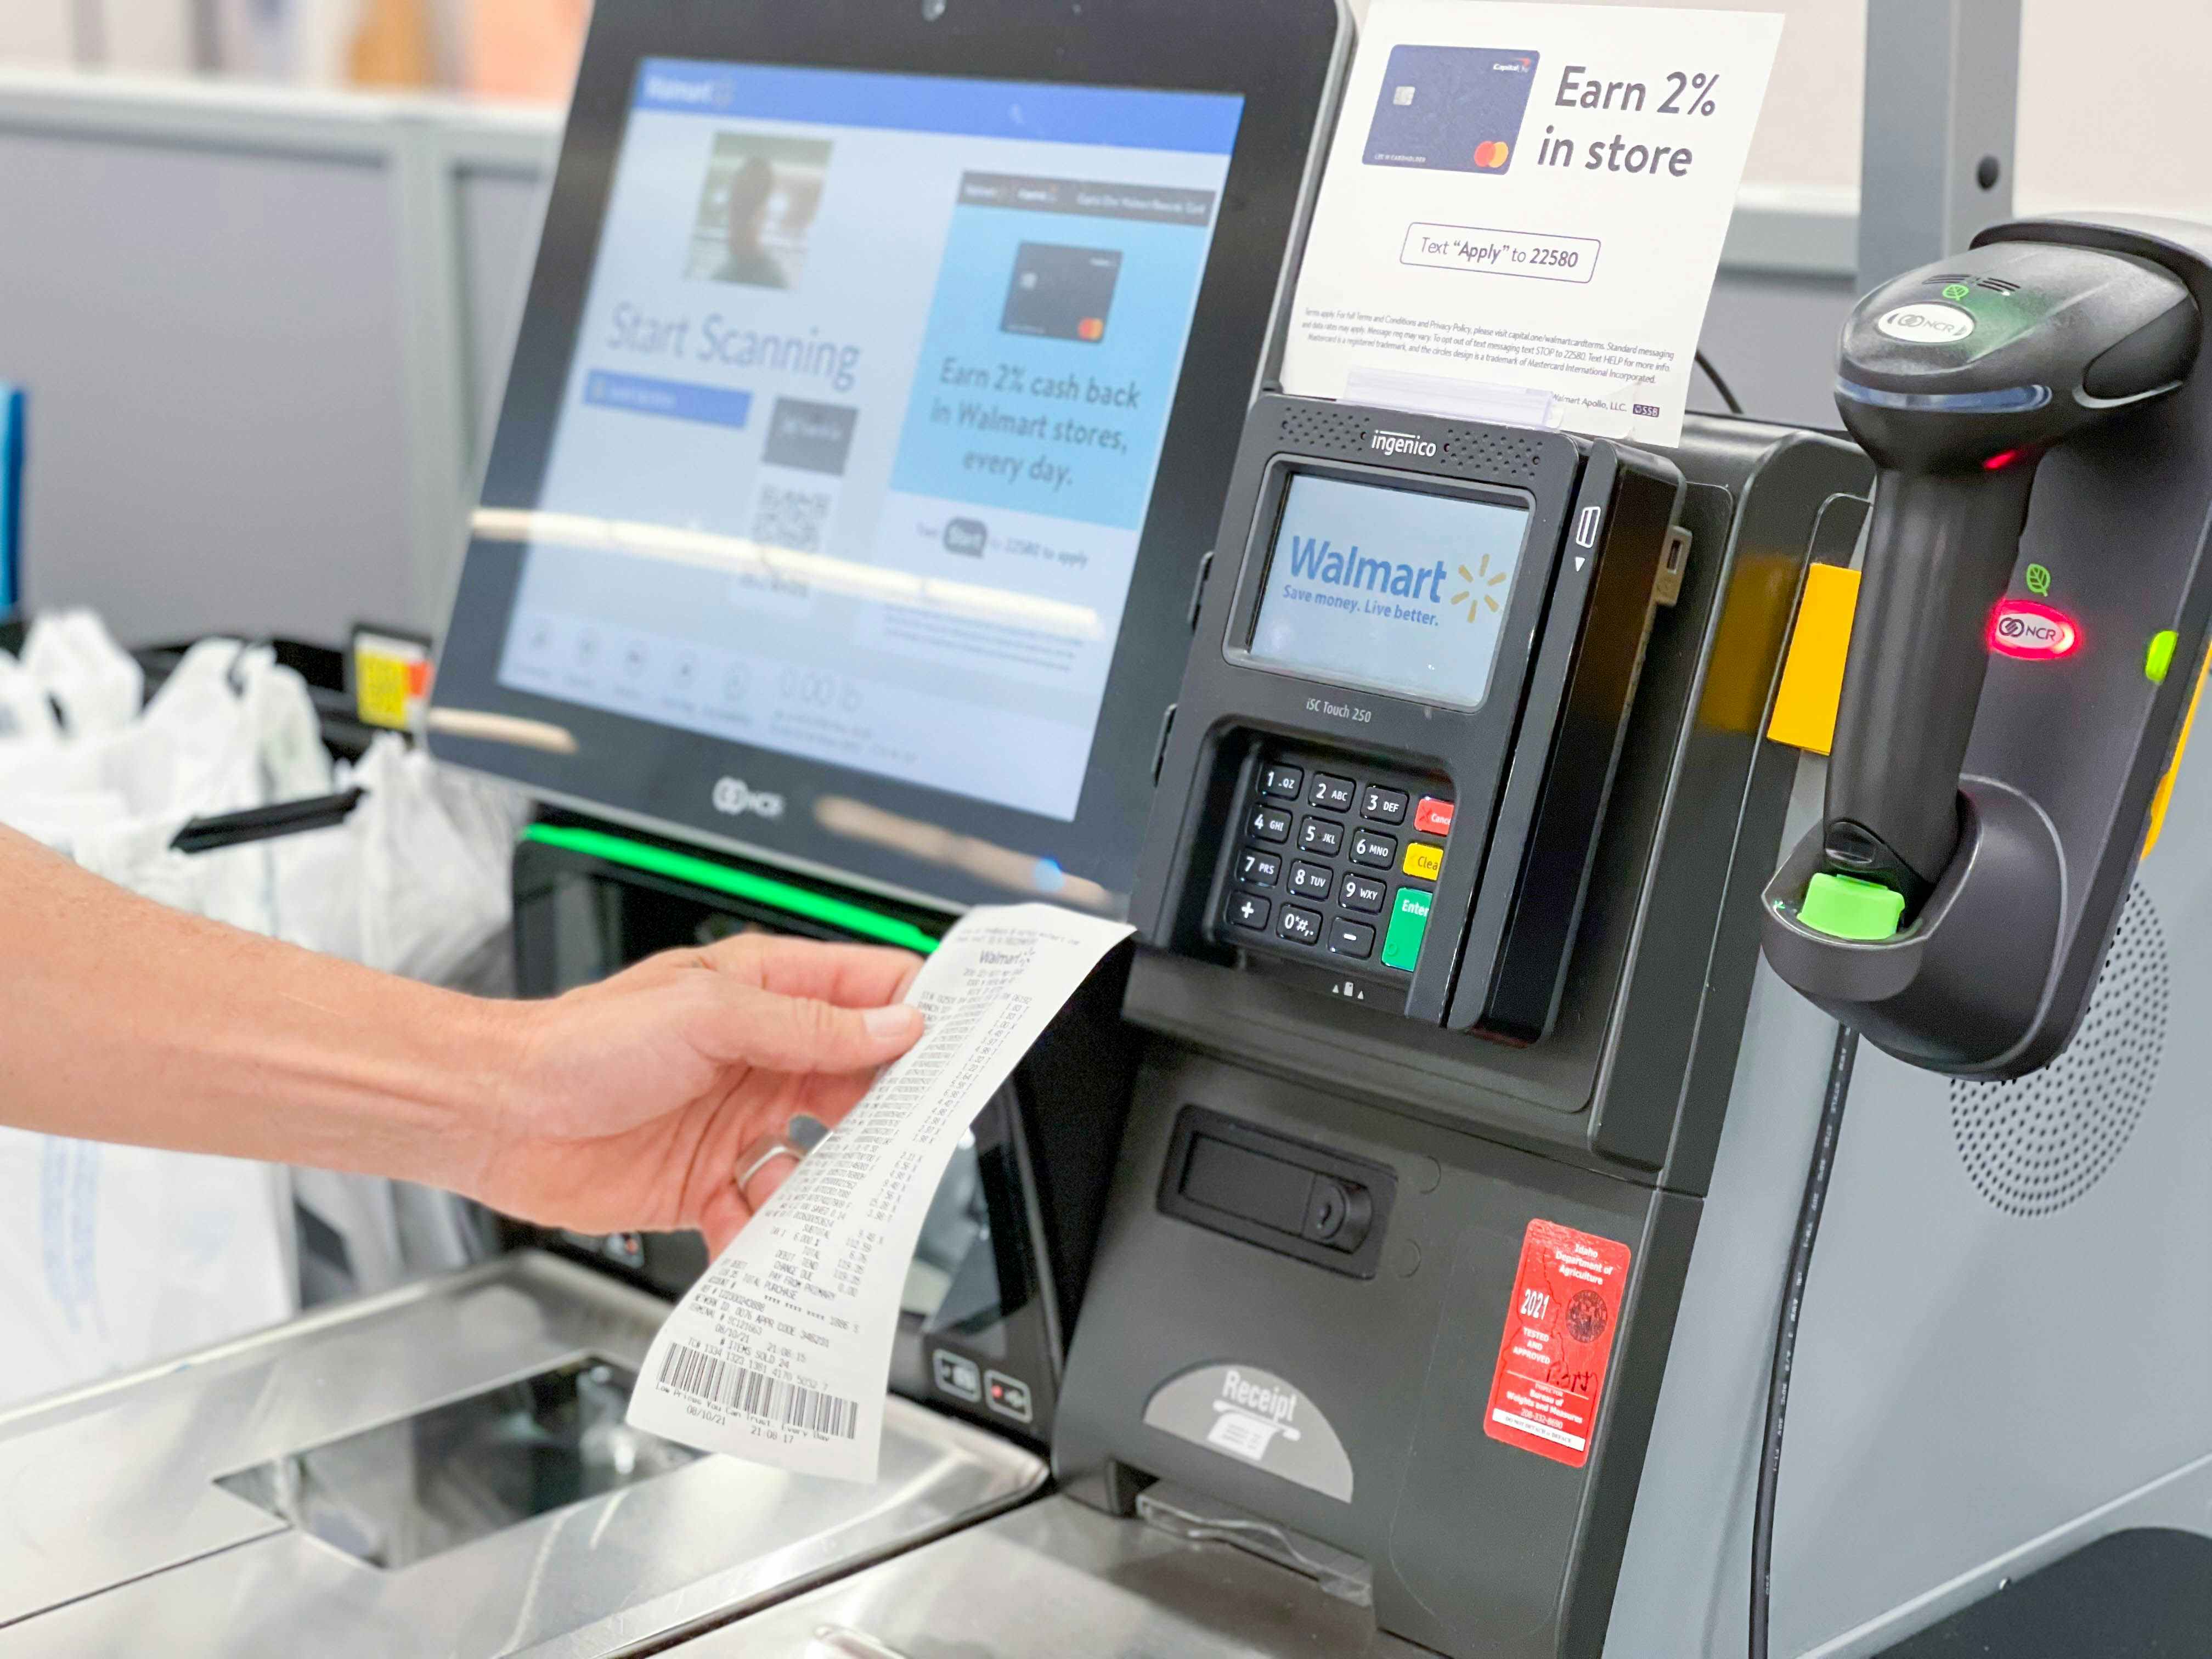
[[1423, 858], [1812, 675], [390, 681], [2181, 743]]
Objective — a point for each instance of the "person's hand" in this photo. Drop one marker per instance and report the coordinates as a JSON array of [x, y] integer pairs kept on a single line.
[[635, 1098]]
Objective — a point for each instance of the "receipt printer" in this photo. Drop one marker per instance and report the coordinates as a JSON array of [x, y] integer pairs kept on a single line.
[[1419, 641]]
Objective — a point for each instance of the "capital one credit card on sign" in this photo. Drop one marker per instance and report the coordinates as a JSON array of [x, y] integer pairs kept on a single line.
[[1455, 108]]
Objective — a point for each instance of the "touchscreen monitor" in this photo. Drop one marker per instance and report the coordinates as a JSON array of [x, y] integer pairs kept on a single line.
[[868, 392], [1401, 590]]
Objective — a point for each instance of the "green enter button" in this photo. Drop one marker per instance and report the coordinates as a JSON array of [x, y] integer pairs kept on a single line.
[[1409, 920]]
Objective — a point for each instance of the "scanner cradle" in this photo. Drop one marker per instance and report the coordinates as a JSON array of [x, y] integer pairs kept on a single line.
[[1993, 974], [1402, 812]]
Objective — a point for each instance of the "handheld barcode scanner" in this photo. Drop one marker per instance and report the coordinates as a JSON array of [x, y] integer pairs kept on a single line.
[[2043, 435], [1957, 380]]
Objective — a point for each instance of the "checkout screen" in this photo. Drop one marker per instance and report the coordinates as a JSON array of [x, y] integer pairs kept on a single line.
[[863, 414], [1392, 588]]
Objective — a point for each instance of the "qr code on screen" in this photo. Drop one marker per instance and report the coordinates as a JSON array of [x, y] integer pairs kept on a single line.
[[791, 519]]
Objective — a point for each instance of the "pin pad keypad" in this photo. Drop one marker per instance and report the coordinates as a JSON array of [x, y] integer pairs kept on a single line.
[[1335, 863]]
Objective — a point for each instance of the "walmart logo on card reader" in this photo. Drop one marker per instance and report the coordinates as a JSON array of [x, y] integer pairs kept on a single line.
[[1456, 108]]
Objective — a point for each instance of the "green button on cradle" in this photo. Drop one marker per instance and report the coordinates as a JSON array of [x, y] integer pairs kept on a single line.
[[2159, 657], [1409, 920], [1844, 906]]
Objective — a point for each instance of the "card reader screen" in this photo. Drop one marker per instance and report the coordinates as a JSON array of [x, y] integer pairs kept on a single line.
[[1397, 589]]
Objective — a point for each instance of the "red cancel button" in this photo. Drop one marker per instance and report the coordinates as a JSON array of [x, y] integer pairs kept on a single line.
[[1432, 815], [2021, 628]]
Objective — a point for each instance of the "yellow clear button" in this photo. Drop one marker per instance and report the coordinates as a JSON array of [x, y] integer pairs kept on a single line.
[[1423, 858]]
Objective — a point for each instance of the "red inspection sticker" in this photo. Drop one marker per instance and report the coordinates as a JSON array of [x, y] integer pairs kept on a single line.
[[1558, 1342]]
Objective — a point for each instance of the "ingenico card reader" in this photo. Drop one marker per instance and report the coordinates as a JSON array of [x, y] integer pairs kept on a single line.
[[1419, 641]]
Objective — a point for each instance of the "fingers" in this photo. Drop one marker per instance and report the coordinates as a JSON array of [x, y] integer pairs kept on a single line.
[[723, 1218], [850, 975], [740, 1022], [769, 1160], [761, 1184], [727, 1211]]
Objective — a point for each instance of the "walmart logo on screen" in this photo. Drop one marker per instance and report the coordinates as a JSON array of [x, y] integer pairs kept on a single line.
[[1342, 577], [1474, 596]]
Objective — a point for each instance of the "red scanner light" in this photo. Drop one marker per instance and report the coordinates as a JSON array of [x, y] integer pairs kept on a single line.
[[2021, 628]]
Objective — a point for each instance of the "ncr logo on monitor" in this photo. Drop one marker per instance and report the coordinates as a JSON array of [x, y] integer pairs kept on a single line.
[[733, 799]]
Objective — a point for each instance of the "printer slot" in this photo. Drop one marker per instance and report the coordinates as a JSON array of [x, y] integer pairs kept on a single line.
[[1282, 1195]]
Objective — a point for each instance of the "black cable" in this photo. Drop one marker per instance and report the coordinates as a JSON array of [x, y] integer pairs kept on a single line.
[[1785, 1328], [1720, 386]]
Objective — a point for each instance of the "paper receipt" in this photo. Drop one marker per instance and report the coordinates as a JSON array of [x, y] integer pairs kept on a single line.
[[781, 1352]]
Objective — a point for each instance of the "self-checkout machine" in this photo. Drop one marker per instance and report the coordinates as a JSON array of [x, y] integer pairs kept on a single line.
[[1446, 1279], [1451, 986], [1432, 1308]]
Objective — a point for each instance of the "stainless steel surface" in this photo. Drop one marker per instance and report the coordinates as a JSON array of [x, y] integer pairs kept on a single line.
[[112, 1526], [1054, 1579]]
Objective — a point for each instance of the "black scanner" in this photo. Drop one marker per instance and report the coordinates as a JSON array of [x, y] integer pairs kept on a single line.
[[2039, 412], [1957, 379]]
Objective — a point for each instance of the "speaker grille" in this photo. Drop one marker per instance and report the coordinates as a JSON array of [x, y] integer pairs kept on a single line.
[[2035, 1144], [1488, 452]]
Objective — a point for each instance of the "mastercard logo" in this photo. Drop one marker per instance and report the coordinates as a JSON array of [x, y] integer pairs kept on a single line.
[[1491, 153], [1090, 328]]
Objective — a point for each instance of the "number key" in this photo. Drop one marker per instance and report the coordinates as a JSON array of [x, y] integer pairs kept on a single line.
[[1369, 848], [1333, 793], [1281, 782], [1270, 823], [1313, 879], [1322, 835], [1257, 869], [1358, 893], [1299, 926], [1383, 805]]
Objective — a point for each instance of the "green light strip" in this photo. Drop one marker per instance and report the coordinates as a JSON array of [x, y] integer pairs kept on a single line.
[[738, 884]]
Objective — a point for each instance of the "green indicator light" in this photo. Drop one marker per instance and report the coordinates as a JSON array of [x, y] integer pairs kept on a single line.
[[1956, 290], [2038, 579], [1845, 907], [2159, 657], [738, 884]]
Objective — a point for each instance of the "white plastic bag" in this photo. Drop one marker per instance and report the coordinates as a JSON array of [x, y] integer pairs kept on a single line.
[[118, 1256], [27, 717], [125, 1255], [98, 684], [115, 1256], [416, 882]]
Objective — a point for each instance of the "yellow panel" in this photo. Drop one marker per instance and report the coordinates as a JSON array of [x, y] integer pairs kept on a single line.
[[1423, 858], [1812, 676], [2166, 784]]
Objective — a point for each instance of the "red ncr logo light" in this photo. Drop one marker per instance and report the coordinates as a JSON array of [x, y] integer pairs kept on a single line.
[[2021, 628]]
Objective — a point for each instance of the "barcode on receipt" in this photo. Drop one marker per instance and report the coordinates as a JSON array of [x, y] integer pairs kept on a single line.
[[701, 1375]]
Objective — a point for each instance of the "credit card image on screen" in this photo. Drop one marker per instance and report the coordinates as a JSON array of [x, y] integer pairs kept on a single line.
[[1064, 292], [863, 414], [1395, 589]]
